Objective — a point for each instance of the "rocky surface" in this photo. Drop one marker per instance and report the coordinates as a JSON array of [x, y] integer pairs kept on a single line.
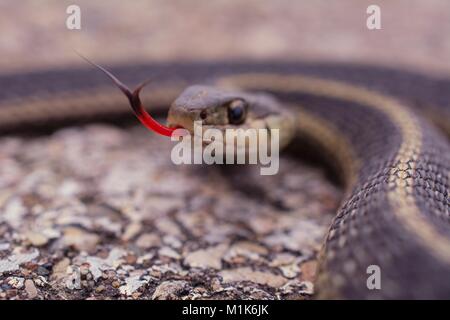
[[100, 212]]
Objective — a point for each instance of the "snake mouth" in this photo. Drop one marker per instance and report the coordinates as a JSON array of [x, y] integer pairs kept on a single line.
[[181, 119]]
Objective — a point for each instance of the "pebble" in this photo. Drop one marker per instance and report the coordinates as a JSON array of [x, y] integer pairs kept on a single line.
[[100, 289], [80, 239], [308, 270], [169, 290], [14, 212], [31, 289], [36, 239], [247, 274], [148, 240], [245, 249], [14, 261], [98, 265], [16, 282], [282, 259], [206, 258], [168, 252], [180, 227], [131, 285], [215, 285], [290, 271], [42, 271], [131, 231], [59, 270]]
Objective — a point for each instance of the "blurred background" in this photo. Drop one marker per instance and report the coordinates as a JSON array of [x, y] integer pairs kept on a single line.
[[414, 33]]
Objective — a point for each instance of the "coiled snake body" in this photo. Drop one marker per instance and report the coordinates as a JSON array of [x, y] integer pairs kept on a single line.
[[369, 123]]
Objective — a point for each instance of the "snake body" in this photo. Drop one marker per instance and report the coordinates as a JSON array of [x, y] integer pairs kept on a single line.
[[370, 124]]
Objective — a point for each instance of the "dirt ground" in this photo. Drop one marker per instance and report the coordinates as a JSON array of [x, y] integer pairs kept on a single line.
[[85, 213]]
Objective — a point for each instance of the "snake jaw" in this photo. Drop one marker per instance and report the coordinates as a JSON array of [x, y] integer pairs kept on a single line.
[[179, 118]]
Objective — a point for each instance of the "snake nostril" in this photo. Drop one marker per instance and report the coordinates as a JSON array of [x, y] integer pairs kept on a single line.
[[203, 115]]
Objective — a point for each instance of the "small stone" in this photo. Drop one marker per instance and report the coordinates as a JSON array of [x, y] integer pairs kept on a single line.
[[145, 258], [304, 236], [131, 231], [69, 188], [247, 274], [131, 285], [168, 252], [148, 240], [168, 227], [244, 250], [200, 290], [42, 271], [169, 290], [282, 259], [115, 284], [262, 225], [40, 281], [84, 269], [247, 246], [308, 288], [207, 258], [60, 269], [36, 239], [130, 259], [308, 270], [215, 285], [290, 271], [292, 286], [16, 282], [13, 262], [172, 241], [25, 272], [136, 295], [72, 282], [80, 239], [31, 289], [98, 265], [100, 289], [13, 212]]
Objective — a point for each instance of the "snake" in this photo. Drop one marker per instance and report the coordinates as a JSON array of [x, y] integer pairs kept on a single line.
[[383, 132]]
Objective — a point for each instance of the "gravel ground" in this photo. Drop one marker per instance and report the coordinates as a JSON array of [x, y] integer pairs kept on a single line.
[[98, 212]]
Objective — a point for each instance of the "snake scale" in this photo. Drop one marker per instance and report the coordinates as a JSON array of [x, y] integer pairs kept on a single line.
[[371, 125]]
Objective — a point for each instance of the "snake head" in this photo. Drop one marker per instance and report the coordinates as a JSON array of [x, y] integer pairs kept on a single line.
[[222, 109]]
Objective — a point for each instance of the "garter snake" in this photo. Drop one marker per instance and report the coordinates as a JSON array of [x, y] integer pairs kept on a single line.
[[371, 125]]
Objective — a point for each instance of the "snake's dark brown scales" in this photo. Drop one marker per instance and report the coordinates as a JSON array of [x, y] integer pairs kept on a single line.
[[373, 124]]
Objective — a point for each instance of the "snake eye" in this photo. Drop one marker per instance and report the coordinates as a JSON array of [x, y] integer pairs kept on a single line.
[[203, 115], [236, 111]]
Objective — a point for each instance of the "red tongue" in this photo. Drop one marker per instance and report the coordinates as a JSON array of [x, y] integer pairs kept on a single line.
[[151, 124], [146, 119], [133, 97]]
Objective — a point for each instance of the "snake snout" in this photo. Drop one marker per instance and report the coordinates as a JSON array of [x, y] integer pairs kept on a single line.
[[179, 117]]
